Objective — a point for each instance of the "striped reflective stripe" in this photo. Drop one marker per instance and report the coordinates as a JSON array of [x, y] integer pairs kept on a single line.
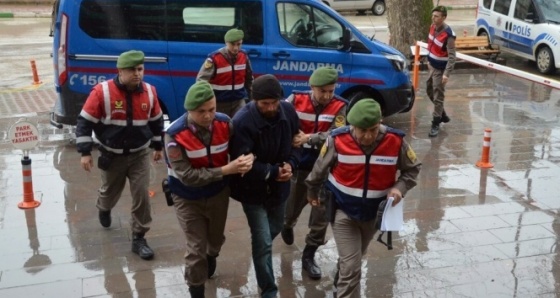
[[224, 69], [106, 99], [88, 117], [150, 94], [84, 139], [357, 192], [352, 159], [156, 138], [305, 145], [326, 118], [202, 152], [120, 151], [227, 87], [118, 122], [306, 116], [27, 179], [437, 57], [156, 116]]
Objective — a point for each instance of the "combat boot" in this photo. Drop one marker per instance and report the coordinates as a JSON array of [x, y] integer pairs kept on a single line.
[[141, 248], [197, 291], [308, 262], [435, 127], [105, 218], [444, 117], [288, 235]]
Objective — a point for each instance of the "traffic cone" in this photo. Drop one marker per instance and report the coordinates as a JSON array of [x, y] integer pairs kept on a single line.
[[36, 80], [484, 161], [28, 197]]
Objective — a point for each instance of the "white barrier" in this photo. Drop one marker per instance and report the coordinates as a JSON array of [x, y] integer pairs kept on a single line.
[[492, 65]]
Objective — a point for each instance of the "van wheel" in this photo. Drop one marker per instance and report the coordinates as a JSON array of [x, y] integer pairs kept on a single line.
[[545, 60], [378, 7]]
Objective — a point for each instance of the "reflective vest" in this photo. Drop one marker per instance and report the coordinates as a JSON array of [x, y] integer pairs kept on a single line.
[[200, 156], [312, 122], [437, 46], [229, 79], [123, 131], [372, 175]]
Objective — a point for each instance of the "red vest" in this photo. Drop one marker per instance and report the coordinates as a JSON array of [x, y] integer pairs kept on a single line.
[[376, 175], [198, 153], [437, 47], [229, 81], [309, 121]]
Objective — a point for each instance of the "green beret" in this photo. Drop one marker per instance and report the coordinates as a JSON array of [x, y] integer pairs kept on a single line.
[[441, 9], [323, 76], [130, 59], [365, 113], [233, 35], [199, 93]]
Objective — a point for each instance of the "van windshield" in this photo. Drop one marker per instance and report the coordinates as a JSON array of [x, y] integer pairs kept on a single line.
[[550, 10]]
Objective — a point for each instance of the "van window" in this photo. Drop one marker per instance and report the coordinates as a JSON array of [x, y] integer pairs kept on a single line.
[[524, 10], [122, 19], [502, 6], [487, 3], [208, 22], [301, 25]]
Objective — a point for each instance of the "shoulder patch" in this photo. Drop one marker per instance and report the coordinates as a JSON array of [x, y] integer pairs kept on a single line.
[[173, 151], [339, 121], [411, 154], [208, 63]]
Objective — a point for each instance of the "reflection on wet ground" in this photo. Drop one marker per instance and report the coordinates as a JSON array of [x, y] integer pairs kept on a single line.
[[469, 232]]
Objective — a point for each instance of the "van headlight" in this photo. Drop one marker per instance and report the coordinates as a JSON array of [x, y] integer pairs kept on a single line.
[[399, 63]]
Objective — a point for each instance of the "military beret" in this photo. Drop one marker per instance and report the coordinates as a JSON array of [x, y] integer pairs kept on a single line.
[[365, 113], [199, 93], [323, 76], [130, 59], [441, 9], [233, 35], [267, 87]]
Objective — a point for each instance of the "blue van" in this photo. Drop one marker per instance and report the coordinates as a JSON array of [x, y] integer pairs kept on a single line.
[[287, 38]]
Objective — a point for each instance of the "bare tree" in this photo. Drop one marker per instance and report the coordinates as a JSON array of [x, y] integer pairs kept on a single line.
[[409, 21]]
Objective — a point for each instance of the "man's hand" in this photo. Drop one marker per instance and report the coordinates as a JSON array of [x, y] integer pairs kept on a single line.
[[444, 80], [396, 194], [240, 165], [300, 139], [284, 172], [86, 162], [158, 155]]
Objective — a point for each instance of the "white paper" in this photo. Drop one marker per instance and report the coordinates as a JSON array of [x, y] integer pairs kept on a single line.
[[392, 216]]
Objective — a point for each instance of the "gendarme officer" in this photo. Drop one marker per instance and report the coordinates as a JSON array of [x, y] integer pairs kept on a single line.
[[127, 120], [229, 72]]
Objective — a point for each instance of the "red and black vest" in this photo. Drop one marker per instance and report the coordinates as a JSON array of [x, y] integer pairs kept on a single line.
[[312, 122], [200, 156], [228, 81], [372, 175], [437, 46]]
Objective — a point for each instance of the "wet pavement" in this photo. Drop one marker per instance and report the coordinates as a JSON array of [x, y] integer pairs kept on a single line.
[[469, 232]]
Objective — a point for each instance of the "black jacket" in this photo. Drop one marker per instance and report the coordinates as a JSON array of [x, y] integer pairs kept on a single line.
[[271, 142]]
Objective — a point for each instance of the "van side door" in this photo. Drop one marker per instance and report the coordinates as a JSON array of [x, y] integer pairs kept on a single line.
[[302, 38]]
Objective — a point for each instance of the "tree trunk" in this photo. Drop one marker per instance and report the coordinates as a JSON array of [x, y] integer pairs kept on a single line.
[[409, 21]]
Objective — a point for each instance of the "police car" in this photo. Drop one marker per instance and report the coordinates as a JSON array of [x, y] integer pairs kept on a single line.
[[526, 28]]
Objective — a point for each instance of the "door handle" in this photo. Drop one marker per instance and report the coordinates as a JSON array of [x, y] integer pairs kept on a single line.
[[253, 53], [281, 54]]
